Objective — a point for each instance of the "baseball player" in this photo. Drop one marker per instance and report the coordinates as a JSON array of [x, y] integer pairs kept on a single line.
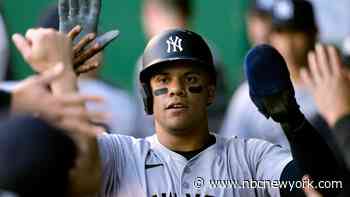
[[160, 15], [183, 158]]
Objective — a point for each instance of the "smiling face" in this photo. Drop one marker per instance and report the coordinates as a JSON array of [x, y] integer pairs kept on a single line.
[[181, 94]]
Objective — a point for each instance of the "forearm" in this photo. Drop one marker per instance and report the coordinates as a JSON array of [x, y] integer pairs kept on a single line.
[[66, 83], [85, 179], [342, 136], [310, 150]]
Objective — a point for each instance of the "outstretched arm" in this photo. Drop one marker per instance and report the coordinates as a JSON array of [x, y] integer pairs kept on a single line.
[[43, 47], [272, 92], [329, 82]]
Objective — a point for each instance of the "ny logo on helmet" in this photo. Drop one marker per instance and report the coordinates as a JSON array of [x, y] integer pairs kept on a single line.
[[175, 44]]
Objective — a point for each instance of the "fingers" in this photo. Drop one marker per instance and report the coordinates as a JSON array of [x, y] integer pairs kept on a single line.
[[87, 67], [83, 114], [74, 32], [72, 111], [93, 48], [315, 72], [95, 7], [82, 43], [82, 127], [98, 117], [106, 38], [306, 77], [77, 99], [22, 45], [74, 8], [323, 63], [336, 65], [309, 191], [87, 55], [63, 9]]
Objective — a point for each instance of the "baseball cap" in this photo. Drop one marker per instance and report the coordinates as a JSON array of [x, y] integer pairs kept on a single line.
[[261, 6], [295, 15]]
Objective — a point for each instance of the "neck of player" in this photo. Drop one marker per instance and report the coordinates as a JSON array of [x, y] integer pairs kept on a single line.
[[185, 140]]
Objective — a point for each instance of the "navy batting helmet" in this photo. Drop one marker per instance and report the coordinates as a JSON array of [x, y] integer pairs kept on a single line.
[[170, 46]]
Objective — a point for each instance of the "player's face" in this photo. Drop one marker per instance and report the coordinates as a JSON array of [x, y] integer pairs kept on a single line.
[[258, 29], [293, 46], [181, 94]]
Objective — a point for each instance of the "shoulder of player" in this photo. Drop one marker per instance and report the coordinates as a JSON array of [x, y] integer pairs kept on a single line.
[[124, 142], [239, 142]]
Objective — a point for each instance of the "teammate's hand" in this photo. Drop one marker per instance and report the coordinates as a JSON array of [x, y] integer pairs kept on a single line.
[[309, 191], [66, 111], [88, 47], [77, 12], [80, 20], [44, 48], [329, 82]]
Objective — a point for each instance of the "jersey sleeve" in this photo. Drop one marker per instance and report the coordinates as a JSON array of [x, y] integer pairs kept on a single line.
[[267, 162]]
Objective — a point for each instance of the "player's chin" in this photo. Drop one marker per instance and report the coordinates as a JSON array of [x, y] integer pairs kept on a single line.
[[178, 124]]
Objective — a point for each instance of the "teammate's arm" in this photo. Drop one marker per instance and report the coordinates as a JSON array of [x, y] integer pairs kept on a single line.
[[45, 48], [272, 92]]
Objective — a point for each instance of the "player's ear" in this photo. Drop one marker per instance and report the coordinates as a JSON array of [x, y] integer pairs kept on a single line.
[[211, 94]]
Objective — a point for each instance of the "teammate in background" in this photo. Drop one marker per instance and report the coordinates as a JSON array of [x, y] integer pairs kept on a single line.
[[328, 79], [258, 21], [160, 15], [293, 33]]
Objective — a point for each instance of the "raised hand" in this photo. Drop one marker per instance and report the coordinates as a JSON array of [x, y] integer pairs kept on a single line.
[[66, 111], [87, 47], [84, 13], [308, 189], [329, 82], [44, 48], [79, 19]]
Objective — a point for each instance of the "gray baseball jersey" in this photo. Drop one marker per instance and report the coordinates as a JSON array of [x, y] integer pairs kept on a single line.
[[144, 167]]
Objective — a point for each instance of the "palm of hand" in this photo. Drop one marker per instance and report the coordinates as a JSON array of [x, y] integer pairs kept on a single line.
[[79, 12]]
